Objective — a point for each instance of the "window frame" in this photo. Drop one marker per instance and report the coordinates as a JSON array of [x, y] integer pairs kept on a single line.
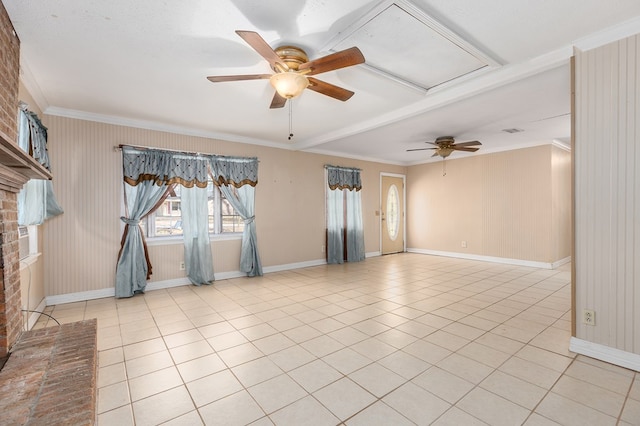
[[215, 234]]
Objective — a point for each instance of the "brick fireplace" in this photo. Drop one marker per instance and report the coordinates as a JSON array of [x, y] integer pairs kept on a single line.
[[15, 169], [50, 377]]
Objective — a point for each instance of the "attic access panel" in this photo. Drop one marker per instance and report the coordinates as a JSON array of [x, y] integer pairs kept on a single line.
[[403, 43]]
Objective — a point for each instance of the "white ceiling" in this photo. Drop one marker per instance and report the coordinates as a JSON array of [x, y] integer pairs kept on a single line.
[[491, 65]]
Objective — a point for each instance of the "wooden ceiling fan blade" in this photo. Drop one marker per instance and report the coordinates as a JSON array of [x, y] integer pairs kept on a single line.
[[457, 148], [278, 101], [329, 89], [420, 149], [470, 143], [221, 78], [258, 44], [334, 61]]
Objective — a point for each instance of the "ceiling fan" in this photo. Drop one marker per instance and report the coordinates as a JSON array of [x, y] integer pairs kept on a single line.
[[445, 145], [293, 70]]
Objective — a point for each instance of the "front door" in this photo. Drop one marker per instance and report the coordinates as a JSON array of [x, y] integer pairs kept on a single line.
[[392, 214]]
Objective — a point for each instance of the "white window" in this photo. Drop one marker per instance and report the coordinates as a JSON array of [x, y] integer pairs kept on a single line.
[[166, 221]]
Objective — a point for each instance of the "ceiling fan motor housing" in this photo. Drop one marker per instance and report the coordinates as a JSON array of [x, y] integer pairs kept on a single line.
[[292, 56]]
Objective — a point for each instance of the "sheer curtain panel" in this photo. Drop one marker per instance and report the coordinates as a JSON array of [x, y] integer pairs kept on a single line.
[[237, 177], [195, 226], [355, 232], [344, 215]]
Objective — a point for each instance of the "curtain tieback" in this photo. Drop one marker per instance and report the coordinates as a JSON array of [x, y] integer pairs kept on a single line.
[[249, 220], [129, 221]]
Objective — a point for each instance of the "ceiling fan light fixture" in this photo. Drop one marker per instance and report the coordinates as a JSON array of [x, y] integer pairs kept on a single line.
[[289, 84], [444, 152]]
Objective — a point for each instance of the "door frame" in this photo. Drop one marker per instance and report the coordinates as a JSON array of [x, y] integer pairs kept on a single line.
[[404, 210]]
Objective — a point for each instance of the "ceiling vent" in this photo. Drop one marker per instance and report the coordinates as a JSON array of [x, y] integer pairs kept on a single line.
[[514, 130]]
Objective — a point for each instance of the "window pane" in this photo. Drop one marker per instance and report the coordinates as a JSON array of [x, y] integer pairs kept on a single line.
[[231, 221], [393, 208], [168, 218]]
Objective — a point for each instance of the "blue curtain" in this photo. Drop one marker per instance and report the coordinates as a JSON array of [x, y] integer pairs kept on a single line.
[[355, 231], [344, 184], [335, 226], [195, 227], [133, 269], [236, 178], [36, 200], [148, 176]]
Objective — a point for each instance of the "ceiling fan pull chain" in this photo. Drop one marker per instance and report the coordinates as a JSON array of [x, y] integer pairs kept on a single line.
[[444, 167], [290, 118]]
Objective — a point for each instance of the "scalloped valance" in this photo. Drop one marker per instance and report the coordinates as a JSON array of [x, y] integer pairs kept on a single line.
[[343, 178], [187, 169]]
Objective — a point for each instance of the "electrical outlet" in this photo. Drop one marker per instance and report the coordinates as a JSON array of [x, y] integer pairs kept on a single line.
[[464, 244], [589, 317], [182, 267], [322, 249]]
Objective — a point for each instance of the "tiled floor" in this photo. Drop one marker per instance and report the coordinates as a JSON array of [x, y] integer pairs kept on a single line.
[[394, 340]]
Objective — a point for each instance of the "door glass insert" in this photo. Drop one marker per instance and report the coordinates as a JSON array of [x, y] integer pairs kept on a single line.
[[393, 218]]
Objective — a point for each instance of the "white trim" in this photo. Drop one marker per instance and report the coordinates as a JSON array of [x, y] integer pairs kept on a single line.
[[373, 254], [507, 261], [158, 126], [290, 266], [81, 296], [178, 239], [60, 299], [559, 263], [609, 35], [558, 143], [490, 80], [605, 353], [29, 260], [34, 316]]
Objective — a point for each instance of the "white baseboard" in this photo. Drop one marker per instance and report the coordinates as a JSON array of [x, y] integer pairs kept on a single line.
[[176, 282], [605, 353], [290, 266], [517, 262], [559, 263], [81, 296]]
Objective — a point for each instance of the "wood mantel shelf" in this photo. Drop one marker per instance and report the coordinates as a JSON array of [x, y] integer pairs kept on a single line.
[[14, 158]]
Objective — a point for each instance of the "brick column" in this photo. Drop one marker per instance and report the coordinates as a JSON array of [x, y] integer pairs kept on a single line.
[[10, 299]]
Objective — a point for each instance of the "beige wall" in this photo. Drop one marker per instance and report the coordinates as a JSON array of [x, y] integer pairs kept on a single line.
[[511, 205], [607, 197], [81, 245], [561, 196]]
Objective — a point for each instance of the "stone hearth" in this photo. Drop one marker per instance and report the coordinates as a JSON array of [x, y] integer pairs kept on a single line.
[[50, 377]]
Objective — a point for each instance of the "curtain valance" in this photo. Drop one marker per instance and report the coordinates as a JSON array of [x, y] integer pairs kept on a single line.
[[234, 171], [36, 138], [168, 167], [163, 168], [343, 178]]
